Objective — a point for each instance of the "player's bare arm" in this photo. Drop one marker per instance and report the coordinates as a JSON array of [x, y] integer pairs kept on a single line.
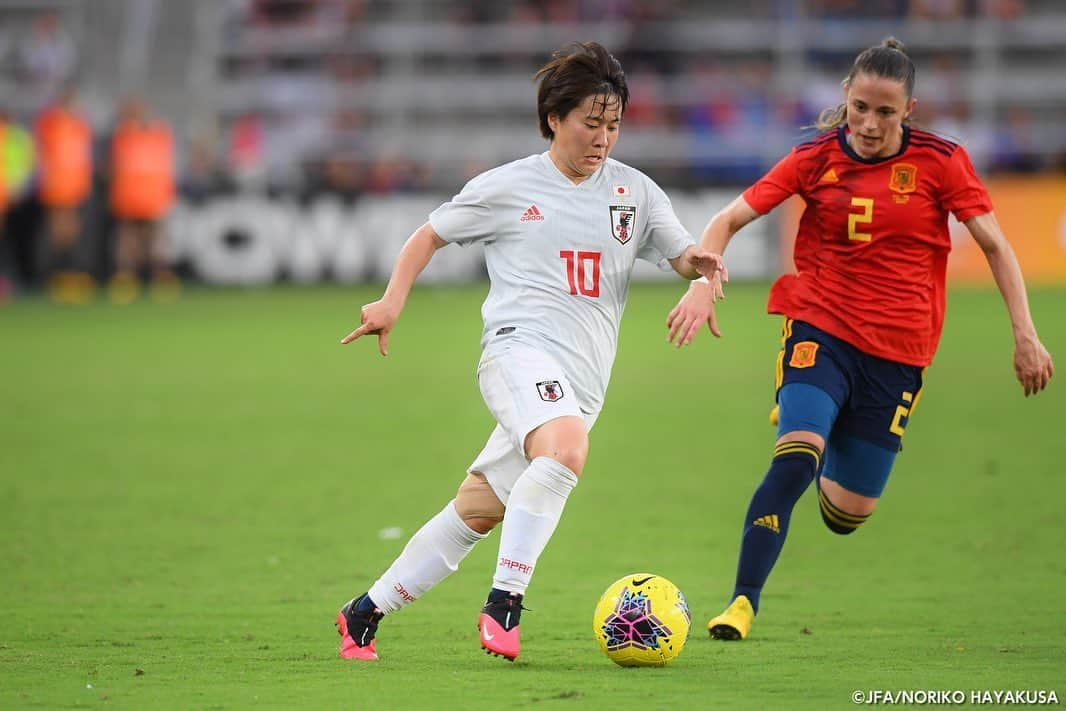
[[1032, 362], [380, 316], [695, 262], [696, 307]]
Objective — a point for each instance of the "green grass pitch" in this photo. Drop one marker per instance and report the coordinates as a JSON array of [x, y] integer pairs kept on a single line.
[[188, 492]]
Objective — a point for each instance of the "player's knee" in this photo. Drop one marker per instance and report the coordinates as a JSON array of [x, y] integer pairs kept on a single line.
[[837, 519], [477, 504], [801, 438], [573, 457], [799, 455], [481, 525], [565, 440]]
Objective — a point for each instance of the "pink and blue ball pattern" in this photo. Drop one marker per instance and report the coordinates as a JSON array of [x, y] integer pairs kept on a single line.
[[632, 624]]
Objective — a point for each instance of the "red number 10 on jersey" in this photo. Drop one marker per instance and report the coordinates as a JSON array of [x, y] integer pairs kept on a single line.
[[581, 269]]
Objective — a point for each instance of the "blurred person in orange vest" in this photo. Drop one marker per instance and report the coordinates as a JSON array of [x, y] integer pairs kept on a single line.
[[5, 282], [64, 140], [142, 192], [17, 159]]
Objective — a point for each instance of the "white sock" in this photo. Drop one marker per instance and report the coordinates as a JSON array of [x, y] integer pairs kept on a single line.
[[533, 512], [432, 554]]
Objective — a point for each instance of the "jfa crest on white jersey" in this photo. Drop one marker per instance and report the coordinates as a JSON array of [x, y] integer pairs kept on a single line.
[[560, 256]]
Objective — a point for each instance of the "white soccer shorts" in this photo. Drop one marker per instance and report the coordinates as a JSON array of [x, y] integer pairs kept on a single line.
[[523, 388]]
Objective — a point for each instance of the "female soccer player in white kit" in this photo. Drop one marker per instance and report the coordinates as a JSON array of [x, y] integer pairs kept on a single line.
[[562, 231]]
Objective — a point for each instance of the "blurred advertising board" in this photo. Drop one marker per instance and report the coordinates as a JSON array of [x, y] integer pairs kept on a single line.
[[252, 239], [1032, 213]]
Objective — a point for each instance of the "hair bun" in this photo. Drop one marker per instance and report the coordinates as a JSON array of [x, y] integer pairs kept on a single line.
[[893, 43]]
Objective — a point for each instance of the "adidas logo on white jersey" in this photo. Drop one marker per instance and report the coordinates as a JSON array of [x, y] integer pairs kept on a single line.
[[532, 214]]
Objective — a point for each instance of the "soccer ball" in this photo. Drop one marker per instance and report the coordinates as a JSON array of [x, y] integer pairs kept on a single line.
[[642, 620]]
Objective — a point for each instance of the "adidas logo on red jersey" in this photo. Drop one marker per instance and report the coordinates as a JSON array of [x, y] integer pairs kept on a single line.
[[532, 215]]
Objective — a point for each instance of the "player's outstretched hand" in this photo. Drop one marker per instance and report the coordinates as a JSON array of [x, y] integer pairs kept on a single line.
[[1032, 364], [694, 309], [710, 265], [377, 318]]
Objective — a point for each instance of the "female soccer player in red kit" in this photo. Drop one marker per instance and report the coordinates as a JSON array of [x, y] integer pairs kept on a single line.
[[864, 311]]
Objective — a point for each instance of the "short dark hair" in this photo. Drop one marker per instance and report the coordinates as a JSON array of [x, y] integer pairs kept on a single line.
[[584, 69]]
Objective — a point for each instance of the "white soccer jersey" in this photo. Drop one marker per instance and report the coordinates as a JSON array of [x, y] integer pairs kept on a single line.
[[560, 256]]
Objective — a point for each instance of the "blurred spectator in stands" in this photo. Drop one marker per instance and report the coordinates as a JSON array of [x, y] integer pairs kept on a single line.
[[516, 25], [853, 9], [1007, 10], [339, 168], [353, 70], [354, 12], [607, 10], [290, 137], [835, 21], [945, 84], [394, 174], [277, 13], [649, 38], [346, 132], [17, 159], [725, 127], [1015, 148], [6, 44], [47, 57], [646, 98], [142, 192], [64, 144], [950, 120], [561, 12], [752, 123], [1057, 162], [202, 176], [789, 116], [473, 12], [339, 174], [245, 153], [704, 120], [715, 101], [473, 168], [755, 78], [936, 9]]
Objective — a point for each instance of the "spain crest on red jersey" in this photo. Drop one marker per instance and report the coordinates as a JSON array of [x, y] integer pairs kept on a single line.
[[622, 219], [904, 178]]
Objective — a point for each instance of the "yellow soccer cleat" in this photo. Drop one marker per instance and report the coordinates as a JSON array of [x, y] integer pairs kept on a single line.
[[735, 622], [71, 288], [124, 288], [166, 287]]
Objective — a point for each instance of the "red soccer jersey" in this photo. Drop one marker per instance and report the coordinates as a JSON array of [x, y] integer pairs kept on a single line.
[[872, 247]]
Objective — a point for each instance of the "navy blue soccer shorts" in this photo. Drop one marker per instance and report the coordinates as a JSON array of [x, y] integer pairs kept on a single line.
[[859, 403]]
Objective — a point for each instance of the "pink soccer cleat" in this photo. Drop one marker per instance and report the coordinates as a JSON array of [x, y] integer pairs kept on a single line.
[[357, 631], [498, 626]]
